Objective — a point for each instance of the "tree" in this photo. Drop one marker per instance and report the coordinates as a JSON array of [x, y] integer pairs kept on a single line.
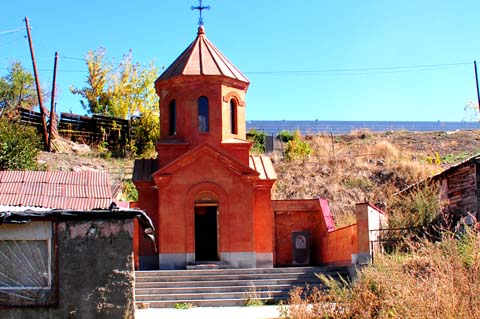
[[19, 146], [123, 91], [17, 89]]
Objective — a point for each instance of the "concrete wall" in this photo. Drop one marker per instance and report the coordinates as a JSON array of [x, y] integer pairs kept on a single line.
[[369, 220], [95, 273]]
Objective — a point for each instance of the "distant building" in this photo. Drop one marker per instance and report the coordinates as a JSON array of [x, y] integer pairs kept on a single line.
[[459, 190]]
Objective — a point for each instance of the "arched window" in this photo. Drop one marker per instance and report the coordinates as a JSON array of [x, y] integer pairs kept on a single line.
[[233, 116], [172, 118], [203, 126]]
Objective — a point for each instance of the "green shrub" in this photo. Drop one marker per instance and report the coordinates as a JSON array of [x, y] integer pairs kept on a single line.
[[130, 192], [19, 146], [258, 140], [297, 148], [420, 207], [285, 136]]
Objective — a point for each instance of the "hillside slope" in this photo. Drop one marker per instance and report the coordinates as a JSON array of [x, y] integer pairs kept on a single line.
[[363, 166], [357, 167]]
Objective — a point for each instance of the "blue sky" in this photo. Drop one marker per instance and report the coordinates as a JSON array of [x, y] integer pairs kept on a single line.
[[308, 59]]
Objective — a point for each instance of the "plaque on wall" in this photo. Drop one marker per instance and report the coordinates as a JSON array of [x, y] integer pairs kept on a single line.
[[301, 248]]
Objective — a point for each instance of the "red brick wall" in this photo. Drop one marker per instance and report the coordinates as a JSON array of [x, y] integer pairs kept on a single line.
[[147, 201], [292, 216], [340, 244], [235, 198]]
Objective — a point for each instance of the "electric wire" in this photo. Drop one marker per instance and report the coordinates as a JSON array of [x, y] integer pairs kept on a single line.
[[314, 73], [3, 33]]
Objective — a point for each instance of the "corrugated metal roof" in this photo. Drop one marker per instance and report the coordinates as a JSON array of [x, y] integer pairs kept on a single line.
[[60, 190], [202, 58], [263, 165]]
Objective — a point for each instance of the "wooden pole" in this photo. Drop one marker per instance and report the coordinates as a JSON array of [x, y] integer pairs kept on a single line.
[[53, 120], [476, 80], [37, 82]]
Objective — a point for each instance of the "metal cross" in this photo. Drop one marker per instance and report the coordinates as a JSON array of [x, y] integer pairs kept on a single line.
[[200, 8]]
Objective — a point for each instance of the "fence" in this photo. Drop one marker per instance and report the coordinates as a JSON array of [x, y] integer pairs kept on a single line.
[[114, 132]]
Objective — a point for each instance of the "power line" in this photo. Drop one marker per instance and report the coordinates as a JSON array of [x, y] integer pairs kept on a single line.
[[320, 72], [341, 70], [2, 33]]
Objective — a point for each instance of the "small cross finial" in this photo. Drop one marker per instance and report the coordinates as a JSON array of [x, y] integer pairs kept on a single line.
[[200, 8]]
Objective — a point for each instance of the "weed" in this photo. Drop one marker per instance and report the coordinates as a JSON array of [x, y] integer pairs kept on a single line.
[[431, 281], [254, 298], [183, 305]]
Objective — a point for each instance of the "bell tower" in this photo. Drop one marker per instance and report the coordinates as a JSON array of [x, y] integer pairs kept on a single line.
[[202, 100], [208, 197]]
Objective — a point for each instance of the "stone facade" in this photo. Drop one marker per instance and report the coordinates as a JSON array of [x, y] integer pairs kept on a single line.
[[92, 271]]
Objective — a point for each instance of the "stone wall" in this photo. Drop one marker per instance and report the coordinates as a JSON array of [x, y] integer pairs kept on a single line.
[[95, 277]]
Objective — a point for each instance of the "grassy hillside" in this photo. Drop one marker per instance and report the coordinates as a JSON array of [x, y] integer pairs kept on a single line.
[[364, 166]]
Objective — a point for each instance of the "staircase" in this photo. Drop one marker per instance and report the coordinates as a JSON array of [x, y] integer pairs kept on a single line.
[[224, 287]]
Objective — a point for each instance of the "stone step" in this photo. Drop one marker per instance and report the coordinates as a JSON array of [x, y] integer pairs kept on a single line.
[[209, 302], [217, 277], [219, 283], [225, 287], [217, 289], [213, 295], [329, 269]]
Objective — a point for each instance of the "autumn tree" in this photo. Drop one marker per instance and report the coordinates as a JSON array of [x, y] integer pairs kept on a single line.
[[17, 89], [124, 91]]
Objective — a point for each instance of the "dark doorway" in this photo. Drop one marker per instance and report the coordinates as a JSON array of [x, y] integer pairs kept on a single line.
[[206, 245]]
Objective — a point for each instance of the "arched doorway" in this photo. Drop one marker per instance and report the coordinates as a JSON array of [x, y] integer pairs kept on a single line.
[[206, 231]]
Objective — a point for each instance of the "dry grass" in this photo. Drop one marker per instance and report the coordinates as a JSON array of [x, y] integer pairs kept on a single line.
[[435, 280]]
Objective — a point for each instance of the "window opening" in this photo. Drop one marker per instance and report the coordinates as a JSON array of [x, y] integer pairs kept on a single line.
[[203, 125]]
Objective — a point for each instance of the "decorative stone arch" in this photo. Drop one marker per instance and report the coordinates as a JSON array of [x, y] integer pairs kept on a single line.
[[206, 192], [234, 95]]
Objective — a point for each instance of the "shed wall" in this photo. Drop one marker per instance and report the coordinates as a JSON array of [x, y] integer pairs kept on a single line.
[[95, 273]]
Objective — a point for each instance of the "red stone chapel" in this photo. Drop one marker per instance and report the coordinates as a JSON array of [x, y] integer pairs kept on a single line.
[[209, 199]]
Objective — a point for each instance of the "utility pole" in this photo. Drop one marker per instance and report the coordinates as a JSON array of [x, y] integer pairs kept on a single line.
[[37, 82], [476, 80], [53, 117]]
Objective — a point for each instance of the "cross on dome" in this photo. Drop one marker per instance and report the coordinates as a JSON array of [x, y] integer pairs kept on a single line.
[[200, 8]]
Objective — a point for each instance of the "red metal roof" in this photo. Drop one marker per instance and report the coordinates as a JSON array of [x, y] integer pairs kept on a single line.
[[263, 165], [202, 58], [62, 190]]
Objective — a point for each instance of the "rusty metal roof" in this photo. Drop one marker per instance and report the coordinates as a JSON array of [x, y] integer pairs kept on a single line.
[[202, 58], [60, 190], [263, 165]]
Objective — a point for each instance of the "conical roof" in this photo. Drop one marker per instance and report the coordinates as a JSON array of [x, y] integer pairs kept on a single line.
[[202, 58]]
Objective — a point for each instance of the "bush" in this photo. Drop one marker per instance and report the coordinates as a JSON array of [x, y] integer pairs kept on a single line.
[[146, 130], [435, 280], [297, 148], [19, 146], [129, 191], [285, 136], [258, 140]]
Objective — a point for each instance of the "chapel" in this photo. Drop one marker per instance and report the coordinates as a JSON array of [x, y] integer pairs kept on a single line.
[[210, 199]]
